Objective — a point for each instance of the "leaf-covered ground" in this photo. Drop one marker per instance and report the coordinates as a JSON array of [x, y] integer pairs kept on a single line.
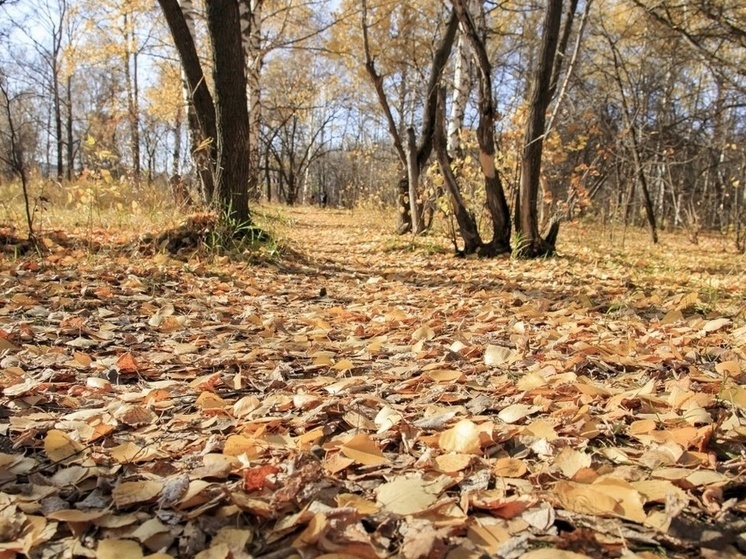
[[366, 396]]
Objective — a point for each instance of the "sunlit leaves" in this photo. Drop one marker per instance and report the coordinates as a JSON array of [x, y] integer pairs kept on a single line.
[[463, 405]]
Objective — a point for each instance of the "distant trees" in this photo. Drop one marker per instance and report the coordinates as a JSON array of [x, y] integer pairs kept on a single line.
[[636, 116]]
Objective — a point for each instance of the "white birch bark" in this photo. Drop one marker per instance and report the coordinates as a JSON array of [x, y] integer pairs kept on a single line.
[[462, 84]]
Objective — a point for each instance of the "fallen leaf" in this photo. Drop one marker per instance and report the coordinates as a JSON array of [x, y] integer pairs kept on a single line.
[[405, 495]]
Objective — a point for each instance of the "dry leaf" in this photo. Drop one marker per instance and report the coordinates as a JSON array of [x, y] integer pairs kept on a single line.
[[464, 437], [136, 492], [405, 495], [59, 447], [363, 450]]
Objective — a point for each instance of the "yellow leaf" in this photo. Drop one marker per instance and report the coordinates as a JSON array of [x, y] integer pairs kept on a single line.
[[569, 461], [343, 365], [462, 438], [210, 400], [360, 504], [246, 405], [315, 529], [236, 445], [509, 467], [516, 412], [134, 492], [424, 332], [405, 495], [363, 450], [672, 317], [715, 325], [217, 551], [444, 376], [118, 549], [601, 499], [59, 447], [549, 553], [335, 463], [74, 515], [729, 368], [387, 418], [496, 356], [541, 429], [487, 535], [453, 462], [128, 452], [687, 301]]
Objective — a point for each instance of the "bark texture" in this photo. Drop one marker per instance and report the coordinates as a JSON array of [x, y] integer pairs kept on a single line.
[[202, 117], [232, 118], [530, 242], [496, 201]]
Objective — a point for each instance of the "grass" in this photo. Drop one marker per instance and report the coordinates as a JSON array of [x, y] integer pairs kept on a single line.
[[108, 214]]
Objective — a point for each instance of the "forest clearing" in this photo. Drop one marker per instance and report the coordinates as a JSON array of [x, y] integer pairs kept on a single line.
[[361, 394]]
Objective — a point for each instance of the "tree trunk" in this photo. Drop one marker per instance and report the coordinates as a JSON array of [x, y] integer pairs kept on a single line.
[[531, 243], [232, 118], [461, 86], [57, 100], [176, 154], [70, 141], [413, 179], [440, 58], [634, 148], [466, 223], [254, 58], [202, 117], [203, 148], [130, 78], [496, 202]]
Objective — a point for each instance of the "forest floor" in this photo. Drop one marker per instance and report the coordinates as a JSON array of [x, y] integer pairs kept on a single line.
[[362, 395]]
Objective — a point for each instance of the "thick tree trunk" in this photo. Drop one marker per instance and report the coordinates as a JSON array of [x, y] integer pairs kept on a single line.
[[233, 170], [531, 243]]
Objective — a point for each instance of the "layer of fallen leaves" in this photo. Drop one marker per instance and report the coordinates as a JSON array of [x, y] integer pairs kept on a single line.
[[371, 398]]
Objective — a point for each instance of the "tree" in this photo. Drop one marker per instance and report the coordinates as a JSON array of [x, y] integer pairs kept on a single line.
[[544, 84], [226, 119], [51, 17], [413, 155], [269, 26], [495, 195], [302, 102], [13, 153], [201, 140]]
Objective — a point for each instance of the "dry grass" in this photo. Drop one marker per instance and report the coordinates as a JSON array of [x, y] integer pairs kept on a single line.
[[116, 214]]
